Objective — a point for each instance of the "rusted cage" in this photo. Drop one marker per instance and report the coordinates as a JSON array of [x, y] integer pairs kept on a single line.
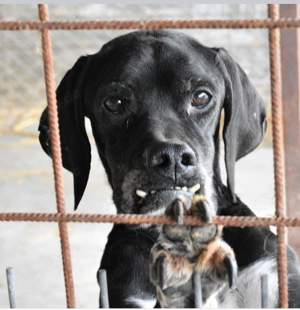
[[274, 24]]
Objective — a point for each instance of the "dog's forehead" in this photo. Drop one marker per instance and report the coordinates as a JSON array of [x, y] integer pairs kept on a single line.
[[148, 55]]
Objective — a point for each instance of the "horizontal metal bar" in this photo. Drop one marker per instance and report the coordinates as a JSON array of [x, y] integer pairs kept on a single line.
[[153, 24], [234, 221]]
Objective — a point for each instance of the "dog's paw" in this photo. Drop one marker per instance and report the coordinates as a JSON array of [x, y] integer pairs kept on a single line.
[[217, 262], [196, 205], [183, 250], [171, 276], [167, 270]]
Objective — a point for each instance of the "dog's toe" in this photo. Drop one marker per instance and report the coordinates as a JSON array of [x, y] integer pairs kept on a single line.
[[201, 208], [219, 262], [171, 276], [178, 208], [167, 270]]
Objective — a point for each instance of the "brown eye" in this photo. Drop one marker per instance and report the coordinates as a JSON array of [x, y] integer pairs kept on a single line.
[[201, 98], [115, 105]]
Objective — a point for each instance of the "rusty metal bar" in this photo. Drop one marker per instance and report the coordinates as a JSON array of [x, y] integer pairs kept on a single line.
[[157, 24], [278, 152], [56, 154], [133, 219], [290, 71]]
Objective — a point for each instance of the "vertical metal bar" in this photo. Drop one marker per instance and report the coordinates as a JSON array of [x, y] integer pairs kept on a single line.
[[104, 301], [278, 151], [197, 289], [56, 154], [264, 289], [11, 286], [290, 70]]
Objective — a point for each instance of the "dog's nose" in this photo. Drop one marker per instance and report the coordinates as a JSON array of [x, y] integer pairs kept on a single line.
[[172, 159]]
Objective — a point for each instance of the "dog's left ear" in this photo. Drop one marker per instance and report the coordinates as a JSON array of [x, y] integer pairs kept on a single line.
[[75, 146], [245, 115]]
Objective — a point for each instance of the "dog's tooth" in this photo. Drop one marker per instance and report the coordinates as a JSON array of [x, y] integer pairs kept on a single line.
[[177, 187], [184, 188], [141, 193], [153, 192], [194, 188]]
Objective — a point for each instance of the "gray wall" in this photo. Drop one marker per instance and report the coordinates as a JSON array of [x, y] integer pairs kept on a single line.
[[21, 67]]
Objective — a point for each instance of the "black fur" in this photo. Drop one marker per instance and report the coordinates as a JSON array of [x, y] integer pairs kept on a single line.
[[157, 140]]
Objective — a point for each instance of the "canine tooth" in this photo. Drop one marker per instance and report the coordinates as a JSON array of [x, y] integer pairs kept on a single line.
[[177, 187], [184, 188], [141, 193], [153, 192], [194, 188]]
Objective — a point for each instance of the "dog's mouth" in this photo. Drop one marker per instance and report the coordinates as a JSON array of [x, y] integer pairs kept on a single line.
[[155, 201], [143, 194]]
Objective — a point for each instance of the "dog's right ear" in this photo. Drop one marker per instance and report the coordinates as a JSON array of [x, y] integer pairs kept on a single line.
[[245, 114], [76, 150]]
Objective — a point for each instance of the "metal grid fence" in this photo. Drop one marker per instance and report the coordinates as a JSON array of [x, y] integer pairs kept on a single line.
[[273, 24]]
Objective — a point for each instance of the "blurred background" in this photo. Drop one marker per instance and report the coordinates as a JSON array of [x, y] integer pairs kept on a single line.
[[26, 181]]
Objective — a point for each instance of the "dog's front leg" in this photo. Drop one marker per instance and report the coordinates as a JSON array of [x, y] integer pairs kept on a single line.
[[126, 261]]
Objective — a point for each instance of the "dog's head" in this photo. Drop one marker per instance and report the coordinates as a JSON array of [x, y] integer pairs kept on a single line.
[[154, 99]]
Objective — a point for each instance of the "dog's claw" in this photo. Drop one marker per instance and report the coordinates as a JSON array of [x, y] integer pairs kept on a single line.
[[201, 208], [176, 211], [231, 269], [160, 271], [178, 208]]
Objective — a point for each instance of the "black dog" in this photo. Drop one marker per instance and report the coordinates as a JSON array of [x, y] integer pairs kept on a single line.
[[155, 99]]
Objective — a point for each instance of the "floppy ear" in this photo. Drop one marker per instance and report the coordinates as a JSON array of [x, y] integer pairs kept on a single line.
[[76, 150], [245, 115]]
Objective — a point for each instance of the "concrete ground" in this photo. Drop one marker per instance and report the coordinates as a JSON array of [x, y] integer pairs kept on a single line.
[[26, 185]]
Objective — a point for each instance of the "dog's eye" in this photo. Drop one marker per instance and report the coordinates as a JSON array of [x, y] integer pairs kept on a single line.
[[201, 98], [115, 105]]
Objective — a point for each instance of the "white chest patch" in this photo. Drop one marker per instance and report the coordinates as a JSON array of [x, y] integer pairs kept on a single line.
[[141, 303]]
